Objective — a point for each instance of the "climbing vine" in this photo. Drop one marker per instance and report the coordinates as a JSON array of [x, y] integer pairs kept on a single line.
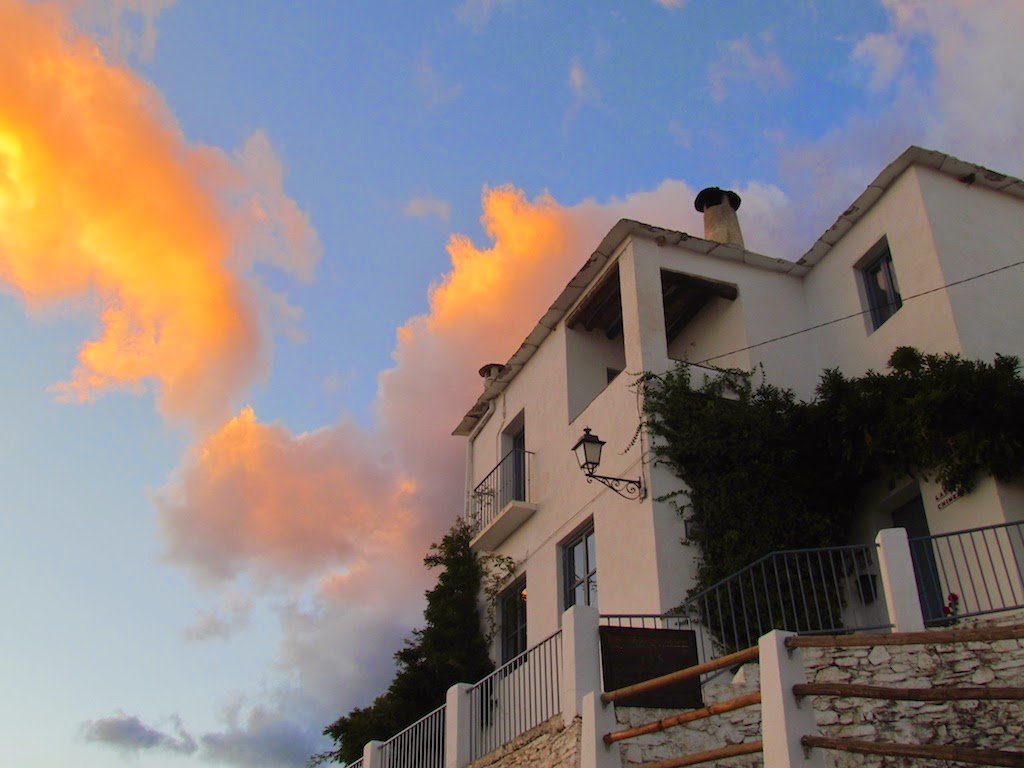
[[766, 471]]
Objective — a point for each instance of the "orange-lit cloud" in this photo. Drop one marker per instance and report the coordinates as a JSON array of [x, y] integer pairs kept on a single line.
[[255, 497], [104, 204]]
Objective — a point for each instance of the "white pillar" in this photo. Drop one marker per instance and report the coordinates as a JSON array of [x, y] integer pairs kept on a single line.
[[784, 719], [896, 569], [581, 659], [457, 726], [598, 719], [371, 754]]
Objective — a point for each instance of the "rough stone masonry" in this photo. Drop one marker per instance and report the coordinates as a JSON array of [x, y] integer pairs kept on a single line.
[[983, 724]]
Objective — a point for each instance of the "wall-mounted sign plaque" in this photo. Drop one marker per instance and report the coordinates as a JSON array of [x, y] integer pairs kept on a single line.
[[630, 655]]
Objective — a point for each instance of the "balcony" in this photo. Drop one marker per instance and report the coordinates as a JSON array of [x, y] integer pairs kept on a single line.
[[501, 502]]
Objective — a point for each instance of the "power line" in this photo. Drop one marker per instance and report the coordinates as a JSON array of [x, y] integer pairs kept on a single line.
[[702, 363]]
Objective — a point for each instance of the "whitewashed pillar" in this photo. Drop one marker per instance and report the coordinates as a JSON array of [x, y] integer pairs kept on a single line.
[[371, 754], [457, 726], [581, 659], [598, 719], [784, 718], [896, 569]]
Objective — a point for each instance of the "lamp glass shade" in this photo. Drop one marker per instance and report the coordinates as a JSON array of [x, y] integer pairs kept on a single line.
[[588, 451]]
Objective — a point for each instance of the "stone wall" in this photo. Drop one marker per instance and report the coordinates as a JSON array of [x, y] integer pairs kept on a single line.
[[983, 724], [966, 723], [549, 745], [730, 728]]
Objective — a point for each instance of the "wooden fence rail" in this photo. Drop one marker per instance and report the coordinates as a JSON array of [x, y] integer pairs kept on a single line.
[[855, 691], [932, 637], [739, 657], [734, 750], [1001, 757], [655, 726]]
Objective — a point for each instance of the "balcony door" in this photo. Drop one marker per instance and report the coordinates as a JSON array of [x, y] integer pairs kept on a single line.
[[513, 481]]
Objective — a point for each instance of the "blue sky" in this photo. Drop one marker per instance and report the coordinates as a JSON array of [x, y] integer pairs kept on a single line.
[[173, 598]]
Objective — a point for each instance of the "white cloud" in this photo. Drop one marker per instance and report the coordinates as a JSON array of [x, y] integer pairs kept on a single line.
[[126, 27], [476, 13], [127, 733], [582, 89], [884, 54], [680, 135], [437, 92], [262, 739], [427, 207], [220, 622], [741, 63], [671, 4]]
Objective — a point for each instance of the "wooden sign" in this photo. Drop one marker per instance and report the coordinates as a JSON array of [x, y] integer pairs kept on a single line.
[[630, 655]]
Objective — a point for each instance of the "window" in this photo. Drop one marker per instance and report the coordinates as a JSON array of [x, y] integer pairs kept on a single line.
[[880, 289], [579, 555], [513, 620]]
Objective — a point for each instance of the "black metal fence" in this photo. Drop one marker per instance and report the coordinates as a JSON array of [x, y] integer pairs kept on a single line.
[[969, 573], [829, 589], [508, 481]]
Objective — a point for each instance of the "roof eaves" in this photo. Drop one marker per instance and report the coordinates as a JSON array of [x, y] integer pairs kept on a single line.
[[585, 277], [969, 173]]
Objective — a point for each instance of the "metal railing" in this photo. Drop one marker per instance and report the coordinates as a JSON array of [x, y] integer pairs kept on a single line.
[[356, 764], [508, 481], [827, 589], [969, 573], [421, 745], [516, 697]]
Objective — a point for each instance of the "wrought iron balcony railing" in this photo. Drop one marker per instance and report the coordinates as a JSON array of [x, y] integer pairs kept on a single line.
[[507, 482]]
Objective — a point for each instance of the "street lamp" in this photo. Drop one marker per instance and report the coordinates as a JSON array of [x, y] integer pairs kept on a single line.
[[588, 454]]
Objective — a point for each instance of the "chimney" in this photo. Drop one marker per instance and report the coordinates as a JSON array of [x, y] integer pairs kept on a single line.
[[719, 207], [490, 372]]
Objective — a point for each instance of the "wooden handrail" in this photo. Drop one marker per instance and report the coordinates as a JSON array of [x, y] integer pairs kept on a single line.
[[948, 693], [970, 755], [739, 657], [684, 717], [734, 750], [934, 637]]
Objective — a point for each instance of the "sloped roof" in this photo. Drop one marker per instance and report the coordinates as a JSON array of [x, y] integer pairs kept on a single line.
[[969, 173]]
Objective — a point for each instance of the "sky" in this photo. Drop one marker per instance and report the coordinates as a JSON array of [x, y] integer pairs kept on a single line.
[[252, 255]]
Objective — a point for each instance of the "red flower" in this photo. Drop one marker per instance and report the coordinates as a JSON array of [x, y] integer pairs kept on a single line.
[[954, 598], [946, 610]]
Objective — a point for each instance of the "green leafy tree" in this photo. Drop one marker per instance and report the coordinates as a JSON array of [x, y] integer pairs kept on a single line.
[[449, 649]]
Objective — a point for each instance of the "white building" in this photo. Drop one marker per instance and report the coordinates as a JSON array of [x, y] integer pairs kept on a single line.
[[647, 297]]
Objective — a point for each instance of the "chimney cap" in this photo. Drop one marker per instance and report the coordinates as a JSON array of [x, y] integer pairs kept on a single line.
[[712, 196], [490, 370]]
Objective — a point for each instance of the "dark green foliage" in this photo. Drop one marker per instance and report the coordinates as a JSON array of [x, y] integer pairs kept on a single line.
[[768, 472], [931, 415], [448, 650]]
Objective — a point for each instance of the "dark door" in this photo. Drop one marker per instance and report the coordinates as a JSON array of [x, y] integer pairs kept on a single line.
[[929, 588], [519, 465]]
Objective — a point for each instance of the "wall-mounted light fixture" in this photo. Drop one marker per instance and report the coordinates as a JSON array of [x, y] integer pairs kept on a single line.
[[588, 453]]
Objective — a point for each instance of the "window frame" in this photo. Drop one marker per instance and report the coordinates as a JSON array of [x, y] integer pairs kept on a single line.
[[513, 627], [879, 307], [586, 536]]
